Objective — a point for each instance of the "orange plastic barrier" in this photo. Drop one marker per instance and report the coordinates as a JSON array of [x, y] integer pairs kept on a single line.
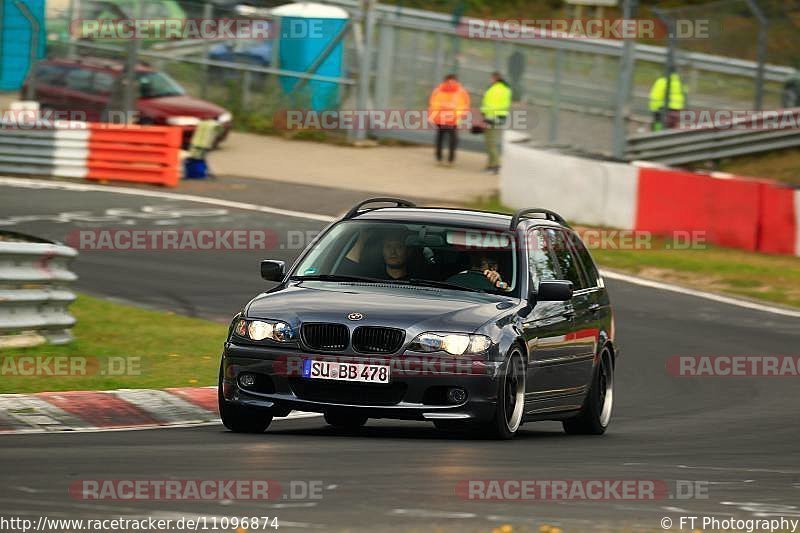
[[144, 154]]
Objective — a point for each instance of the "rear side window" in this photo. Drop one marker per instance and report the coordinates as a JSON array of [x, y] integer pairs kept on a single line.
[[50, 74], [589, 267], [79, 80], [541, 261], [102, 83], [568, 261]]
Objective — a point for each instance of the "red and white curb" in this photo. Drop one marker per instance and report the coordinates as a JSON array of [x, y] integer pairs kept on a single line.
[[111, 410]]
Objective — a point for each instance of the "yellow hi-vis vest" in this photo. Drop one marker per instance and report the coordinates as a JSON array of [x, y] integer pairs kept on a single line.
[[677, 99], [496, 101]]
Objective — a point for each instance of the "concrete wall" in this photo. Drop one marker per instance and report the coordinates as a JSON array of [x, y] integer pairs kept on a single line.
[[582, 190]]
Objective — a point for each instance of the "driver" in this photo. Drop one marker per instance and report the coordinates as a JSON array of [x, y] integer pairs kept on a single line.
[[484, 266]]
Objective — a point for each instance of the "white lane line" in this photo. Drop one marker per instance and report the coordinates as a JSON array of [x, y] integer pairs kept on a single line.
[[61, 185], [44, 184], [699, 294]]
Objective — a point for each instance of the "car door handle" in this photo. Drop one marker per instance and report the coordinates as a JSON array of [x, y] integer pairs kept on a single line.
[[594, 308]]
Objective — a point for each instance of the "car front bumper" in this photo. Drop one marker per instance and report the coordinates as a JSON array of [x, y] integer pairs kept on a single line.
[[413, 393]]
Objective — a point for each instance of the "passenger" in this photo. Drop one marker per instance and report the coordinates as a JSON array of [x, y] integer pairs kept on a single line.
[[395, 255]]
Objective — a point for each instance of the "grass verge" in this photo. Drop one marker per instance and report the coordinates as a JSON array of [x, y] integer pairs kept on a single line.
[[770, 278], [151, 349]]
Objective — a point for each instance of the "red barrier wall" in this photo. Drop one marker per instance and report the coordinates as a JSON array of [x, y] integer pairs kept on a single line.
[[727, 209], [778, 222]]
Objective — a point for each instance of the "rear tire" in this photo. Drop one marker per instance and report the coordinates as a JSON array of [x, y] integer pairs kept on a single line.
[[345, 420], [595, 414], [241, 419]]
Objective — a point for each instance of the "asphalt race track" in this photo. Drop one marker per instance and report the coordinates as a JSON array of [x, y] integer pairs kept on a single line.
[[735, 439]]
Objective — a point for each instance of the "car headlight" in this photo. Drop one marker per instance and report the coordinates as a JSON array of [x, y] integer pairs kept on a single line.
[[452, 343], [258, 330], [183, 121], [224, 117]]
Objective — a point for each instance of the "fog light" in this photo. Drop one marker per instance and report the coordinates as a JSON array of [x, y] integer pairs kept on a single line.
[[247, 380], [456, 395]]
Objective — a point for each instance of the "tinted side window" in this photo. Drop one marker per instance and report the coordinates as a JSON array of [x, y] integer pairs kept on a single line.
[[589, 268], [50, 74], [79, 80], [567, 262], [541, 262], [102, 83]]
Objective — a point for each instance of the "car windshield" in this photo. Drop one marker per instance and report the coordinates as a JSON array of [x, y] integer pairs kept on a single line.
[[157, 84], [431, 255]]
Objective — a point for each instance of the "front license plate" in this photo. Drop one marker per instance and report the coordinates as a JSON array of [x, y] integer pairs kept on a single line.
[[362, 372]]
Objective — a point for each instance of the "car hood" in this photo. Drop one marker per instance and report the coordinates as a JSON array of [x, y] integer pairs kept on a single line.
[[415, 309], [183, 105]]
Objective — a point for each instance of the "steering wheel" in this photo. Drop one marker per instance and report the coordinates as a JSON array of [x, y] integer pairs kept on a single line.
[[473, 279]]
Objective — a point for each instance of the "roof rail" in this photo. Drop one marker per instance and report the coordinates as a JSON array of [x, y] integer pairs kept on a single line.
[[399, 202], [548, 215]]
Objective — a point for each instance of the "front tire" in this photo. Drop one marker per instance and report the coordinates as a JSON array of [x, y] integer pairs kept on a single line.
[[241, 419], [595, 414], [510, 401]]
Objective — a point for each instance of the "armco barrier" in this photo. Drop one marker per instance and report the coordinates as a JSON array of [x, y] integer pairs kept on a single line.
[[33, 293], [95, 151], [751, 214]]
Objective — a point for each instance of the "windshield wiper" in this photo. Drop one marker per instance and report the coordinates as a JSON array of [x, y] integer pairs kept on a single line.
[[441, 285], [336, 277]]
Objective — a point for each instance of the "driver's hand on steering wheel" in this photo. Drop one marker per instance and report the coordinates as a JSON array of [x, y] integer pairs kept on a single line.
[[492, 275]]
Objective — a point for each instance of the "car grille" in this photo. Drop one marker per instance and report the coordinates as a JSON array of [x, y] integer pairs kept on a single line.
[[326, 337], [348, 393], [370, 339]]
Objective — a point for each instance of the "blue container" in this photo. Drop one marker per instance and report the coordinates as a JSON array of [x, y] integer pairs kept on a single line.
[[306, 31], [194, 169], [17, 40]]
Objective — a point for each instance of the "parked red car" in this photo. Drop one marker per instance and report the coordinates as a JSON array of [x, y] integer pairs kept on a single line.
[[86, 87]]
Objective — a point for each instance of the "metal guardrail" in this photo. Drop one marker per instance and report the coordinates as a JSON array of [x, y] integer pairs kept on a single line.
[[440, 22], [743, 136], [34, 293]]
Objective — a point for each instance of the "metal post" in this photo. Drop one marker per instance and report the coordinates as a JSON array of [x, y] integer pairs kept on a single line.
[[73, 13], [670, 68], [383, 80], [438, 65], [624, 85], [247, 78], [129, 96], [761, 52], [362, 96], [208, 13], [275, 59], [555, 100]]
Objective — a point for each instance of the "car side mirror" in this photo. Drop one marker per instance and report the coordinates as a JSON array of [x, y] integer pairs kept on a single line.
[[272, 270], [553, 291]]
